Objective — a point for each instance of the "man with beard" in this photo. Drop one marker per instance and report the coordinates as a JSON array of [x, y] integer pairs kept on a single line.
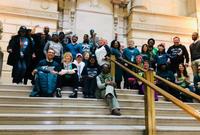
[[195, 52], [74, 47]]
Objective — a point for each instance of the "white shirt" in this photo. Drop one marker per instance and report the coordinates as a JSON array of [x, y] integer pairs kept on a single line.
[[80, 67]]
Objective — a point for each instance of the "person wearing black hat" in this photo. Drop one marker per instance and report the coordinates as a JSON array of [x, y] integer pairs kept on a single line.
[[89, 74], [20, 53]]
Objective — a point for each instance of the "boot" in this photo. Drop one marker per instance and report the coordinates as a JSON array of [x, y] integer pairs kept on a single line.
[[58, 93], [74, 94], [116, 112]]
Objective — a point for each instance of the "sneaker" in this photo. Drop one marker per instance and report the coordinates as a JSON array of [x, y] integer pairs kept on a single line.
[[74, 94], [58, 93]]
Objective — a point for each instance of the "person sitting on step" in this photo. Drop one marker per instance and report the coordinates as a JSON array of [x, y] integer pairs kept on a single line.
[[182, 79], [46, 77], [106, 89], [197, 81], [68, 75], [89, 74]]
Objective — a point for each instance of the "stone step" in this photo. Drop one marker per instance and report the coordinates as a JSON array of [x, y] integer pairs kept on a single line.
[[77, 101], [12, 86], [93, 130], [26, 93], [70, 130], [82, 102], [92, 110], [178, 130], [66, 119]]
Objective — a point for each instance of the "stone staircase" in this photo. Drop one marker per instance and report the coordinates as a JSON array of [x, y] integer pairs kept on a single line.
[[24, 115]]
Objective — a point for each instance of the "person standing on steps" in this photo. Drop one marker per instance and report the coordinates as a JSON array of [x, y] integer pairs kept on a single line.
[[20, 51], [129, 54], [40, 41], [55, 45], [106, 89], [74, 47], [103, 52], [195, 52], [177, 54], [115, 50], [152, 52]]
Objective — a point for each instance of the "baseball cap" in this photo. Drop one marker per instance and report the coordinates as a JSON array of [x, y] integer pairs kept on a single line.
[[22, 29], [79, 54]]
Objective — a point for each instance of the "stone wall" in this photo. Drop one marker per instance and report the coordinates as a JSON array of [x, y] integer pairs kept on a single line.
[[140, 20], [14, 13], [162, 20]]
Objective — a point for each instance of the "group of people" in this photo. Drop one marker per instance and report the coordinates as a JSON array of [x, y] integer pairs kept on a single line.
[[54, 61], [171, 65]]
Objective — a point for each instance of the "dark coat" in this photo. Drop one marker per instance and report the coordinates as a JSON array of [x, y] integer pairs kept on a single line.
[[118, 70], [14, 56], [40, 42], [45, 83], [195, 50], [196, 81]]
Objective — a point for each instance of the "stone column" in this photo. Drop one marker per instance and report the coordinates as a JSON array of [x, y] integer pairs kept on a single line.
[[120, 19], [67, 10], [135, 5]]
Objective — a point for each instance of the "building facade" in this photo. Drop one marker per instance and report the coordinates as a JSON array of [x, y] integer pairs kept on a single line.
[[131, 19]]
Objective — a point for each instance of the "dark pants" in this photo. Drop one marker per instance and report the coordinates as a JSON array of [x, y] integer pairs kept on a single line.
[[185, 97], [118, 84], [68, 80], [169, 90], [19, 70], [90, 86], [127, 84]]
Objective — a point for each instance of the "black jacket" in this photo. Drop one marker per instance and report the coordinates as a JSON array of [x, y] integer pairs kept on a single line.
[[177, 54], [14, 56], [195, 50]]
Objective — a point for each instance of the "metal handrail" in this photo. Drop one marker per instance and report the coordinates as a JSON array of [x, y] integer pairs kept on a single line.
[[179, 88], [132, 64], [193, 95], [190, 110]]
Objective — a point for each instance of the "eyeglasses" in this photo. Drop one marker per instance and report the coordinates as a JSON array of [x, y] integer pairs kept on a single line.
[[52, 52]]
